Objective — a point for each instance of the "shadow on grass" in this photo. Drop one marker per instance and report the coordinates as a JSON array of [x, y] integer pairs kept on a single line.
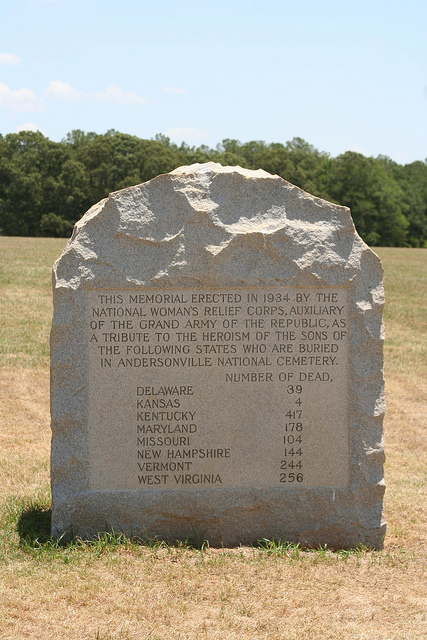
[[33, 526]]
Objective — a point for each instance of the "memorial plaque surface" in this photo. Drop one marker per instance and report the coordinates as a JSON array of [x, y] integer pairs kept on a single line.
[[216, 366], [227, 388]]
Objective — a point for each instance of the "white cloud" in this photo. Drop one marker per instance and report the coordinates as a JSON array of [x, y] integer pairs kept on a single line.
[[186, 133], [118, 96], [20, 99], [29, 126], [62, 91], [9, 58], [174, 90]]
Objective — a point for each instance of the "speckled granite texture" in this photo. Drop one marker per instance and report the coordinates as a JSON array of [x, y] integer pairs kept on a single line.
[[213, 227]]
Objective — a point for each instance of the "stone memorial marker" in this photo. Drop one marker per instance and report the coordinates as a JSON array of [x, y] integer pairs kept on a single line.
[[216, 366]]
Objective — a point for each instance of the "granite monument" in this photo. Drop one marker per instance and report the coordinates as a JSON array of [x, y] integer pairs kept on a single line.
[[216, 366]]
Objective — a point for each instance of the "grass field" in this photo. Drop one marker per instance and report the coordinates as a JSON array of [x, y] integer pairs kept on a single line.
[[113, 589]]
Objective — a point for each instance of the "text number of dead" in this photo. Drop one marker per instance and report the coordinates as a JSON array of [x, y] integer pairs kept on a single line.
[[293, 426], [290, 439], [291, 477], [291, 464], [293, 451], [294, 415], [294, 388]]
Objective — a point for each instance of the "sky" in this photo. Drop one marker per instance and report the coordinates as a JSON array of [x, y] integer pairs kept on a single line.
[[341, 74]]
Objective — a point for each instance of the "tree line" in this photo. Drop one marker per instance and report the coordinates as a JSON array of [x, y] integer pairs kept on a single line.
[[46, 186]]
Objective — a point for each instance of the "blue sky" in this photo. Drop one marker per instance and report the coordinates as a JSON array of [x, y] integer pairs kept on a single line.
[[342, 74]]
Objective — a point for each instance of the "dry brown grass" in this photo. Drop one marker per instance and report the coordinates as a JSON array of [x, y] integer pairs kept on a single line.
[[26, 299], [111, 591], [24, 433], [236, 595]]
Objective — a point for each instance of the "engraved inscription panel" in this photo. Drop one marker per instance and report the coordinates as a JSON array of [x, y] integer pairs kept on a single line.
[[193, 389]]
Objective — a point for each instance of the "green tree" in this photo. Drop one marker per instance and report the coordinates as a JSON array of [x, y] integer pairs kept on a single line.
[[30, 169], [46, 186], [54, 226], [412, 179], [374, 197], [229, 153]]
